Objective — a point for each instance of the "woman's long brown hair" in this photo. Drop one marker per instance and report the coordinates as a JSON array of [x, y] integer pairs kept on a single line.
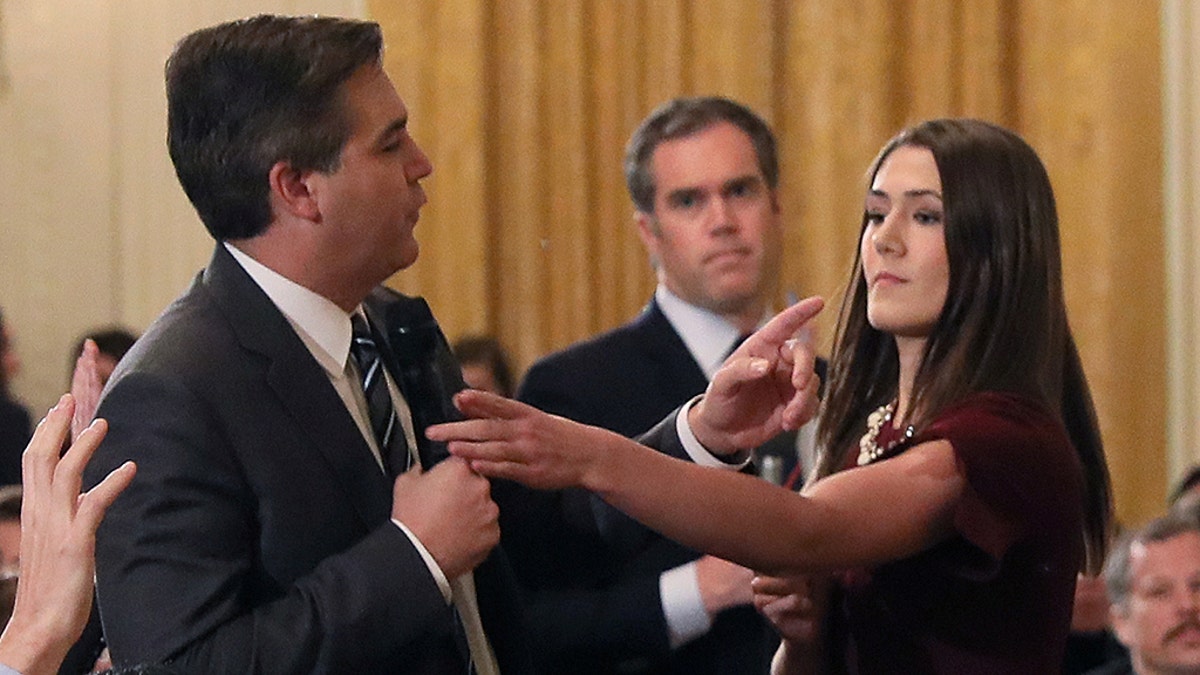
[[1004, 324]]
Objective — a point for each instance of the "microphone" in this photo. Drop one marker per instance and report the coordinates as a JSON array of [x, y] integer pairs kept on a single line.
[[429, 373]]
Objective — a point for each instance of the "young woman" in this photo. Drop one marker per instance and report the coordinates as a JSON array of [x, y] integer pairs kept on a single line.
[[962, 483]]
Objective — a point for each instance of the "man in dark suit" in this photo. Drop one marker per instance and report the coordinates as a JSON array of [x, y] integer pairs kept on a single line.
[[272, 526], [608, 595]]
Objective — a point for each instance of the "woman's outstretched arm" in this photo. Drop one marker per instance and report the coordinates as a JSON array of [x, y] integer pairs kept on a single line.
[[864, 516]]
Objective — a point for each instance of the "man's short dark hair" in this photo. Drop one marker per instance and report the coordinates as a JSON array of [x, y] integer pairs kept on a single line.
[[1118, 574], [486, 350], [683, 117], [246, 94], [113, 341]]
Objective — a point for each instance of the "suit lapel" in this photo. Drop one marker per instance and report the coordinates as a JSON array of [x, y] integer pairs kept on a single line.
[[682, 377], [302, 387]]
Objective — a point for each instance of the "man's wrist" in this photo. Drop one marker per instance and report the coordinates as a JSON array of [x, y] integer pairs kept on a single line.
[[696, 450]]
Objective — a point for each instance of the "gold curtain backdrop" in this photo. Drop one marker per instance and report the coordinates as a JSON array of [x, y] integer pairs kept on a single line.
[[524, 107]]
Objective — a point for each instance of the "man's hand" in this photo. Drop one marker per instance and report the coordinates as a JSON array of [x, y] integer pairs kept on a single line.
[[58, 541], [450, 510], [766, 385], [723, 584]]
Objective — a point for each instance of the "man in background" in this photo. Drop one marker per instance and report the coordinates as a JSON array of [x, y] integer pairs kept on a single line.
[[1153, 579], [485, 364], [608, 595], [275, 524]]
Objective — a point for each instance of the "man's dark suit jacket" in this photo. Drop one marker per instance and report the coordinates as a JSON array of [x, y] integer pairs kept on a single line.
[[592, 572], [256, 536], [15, 431]]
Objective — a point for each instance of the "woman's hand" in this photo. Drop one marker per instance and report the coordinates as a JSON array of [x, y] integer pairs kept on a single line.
[[766, 385], [795, 606], [58, 541], [792, 604], [507, 439]]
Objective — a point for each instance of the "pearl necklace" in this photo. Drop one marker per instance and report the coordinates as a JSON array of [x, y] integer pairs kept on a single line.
[[868, 448]]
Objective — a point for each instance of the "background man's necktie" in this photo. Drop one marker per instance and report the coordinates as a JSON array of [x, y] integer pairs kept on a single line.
[[384, 424]]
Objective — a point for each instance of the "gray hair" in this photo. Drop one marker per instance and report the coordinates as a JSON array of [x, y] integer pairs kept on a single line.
[[1118, 577]]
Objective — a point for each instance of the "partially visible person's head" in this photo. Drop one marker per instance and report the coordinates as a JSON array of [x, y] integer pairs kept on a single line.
[[111, 345], [10, 529], [484, 364], [703, 176], [1188, 487], [989, 311], [244, 95], [9, 363], [683, 117], [1153, 580]]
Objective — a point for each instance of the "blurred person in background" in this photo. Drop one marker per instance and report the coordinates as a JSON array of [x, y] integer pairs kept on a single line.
[[15, 427], [112, 343], [484, 363]]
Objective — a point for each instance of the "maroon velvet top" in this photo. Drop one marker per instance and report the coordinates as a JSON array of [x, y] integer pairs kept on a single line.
[[996, 596]]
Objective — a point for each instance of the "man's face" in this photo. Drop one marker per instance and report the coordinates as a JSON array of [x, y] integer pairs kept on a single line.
[[1161, 625], [370, 204], [715, 229]]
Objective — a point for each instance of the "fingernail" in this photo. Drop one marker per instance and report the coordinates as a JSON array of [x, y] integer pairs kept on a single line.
[[759, 365]]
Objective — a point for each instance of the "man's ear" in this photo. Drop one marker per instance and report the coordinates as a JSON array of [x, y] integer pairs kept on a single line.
[[291, 191], [649, 231]]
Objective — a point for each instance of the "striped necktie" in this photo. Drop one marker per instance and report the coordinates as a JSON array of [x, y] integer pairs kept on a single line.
[[389, 435]]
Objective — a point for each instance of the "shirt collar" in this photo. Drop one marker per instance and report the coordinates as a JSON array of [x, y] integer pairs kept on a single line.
[[322, 325], [707, 336]]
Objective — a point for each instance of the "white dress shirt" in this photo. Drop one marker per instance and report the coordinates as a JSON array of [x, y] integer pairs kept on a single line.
[[709, 338]]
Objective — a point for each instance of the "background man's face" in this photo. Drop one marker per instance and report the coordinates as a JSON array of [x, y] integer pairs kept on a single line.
[[1161, 625], [715, 228]]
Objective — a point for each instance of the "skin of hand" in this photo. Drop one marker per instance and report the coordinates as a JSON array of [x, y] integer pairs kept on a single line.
[[85, 388], [507, 439], [790, 603], [768, 384], [722, 584], [58, 541], [448, 508], [794, 605]]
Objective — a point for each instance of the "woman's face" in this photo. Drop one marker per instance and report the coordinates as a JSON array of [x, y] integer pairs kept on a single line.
[[903, 246]]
